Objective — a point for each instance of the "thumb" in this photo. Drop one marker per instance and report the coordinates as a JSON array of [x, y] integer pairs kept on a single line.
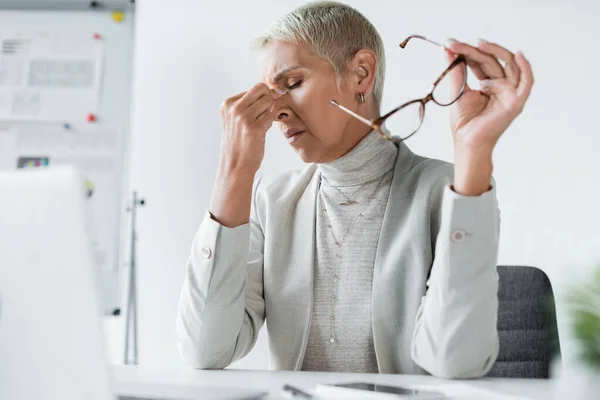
[[456, 75], [276, 94], [449, 55], [493, 86]]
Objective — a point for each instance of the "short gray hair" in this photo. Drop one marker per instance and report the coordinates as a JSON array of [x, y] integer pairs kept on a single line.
[[332, 31]]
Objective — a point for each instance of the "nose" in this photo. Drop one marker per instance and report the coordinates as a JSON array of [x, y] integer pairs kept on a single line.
[[283, 115], [280, 106]]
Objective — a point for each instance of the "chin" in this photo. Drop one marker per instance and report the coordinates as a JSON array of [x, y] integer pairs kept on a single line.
[[307, 156]]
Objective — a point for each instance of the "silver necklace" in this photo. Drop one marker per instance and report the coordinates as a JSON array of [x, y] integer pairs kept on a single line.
[[338, 243], [360, 215], [348, 201]]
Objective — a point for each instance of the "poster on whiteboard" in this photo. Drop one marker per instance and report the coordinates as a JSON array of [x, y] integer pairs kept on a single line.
[[49, 76], [97, 153]]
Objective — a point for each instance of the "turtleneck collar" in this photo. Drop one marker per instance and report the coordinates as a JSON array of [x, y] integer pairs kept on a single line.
[[372, 157]]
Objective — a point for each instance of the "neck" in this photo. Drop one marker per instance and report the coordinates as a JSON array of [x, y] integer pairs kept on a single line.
[[354, 132], [372, 157]]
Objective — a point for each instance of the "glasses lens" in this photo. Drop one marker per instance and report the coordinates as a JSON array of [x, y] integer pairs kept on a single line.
[[446, 91], [406, 121]]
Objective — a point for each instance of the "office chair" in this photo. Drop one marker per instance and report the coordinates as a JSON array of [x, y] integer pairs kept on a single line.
[[526, 324]]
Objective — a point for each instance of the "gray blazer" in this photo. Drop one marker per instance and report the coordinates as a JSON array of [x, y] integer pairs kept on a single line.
[[435, 285]]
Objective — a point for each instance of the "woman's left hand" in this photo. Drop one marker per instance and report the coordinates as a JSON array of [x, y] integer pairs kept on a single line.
[[480, 117]]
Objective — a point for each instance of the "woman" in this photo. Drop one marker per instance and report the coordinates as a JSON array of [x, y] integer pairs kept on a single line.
[[372, 259]]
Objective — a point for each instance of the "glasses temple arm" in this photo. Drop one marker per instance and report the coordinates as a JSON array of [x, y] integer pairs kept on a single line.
[[405, 42], [355, 115]]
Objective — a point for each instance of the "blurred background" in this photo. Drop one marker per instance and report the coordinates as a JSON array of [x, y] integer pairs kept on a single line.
[[191, 55]]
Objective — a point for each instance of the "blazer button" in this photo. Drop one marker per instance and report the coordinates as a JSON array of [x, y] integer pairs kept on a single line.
[[458, 236], [206, 252]]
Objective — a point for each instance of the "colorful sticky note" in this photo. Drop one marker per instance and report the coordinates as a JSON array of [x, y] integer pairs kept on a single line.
[[33, 162], [89, 188], [118, 16]]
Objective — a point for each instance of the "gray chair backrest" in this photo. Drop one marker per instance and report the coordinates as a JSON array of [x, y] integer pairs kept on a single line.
[[526, 324]]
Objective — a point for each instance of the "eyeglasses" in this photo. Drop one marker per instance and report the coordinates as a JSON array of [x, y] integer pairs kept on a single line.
[[404, 121]]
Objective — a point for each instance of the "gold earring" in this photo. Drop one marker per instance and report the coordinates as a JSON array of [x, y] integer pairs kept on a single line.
[[361, 98]]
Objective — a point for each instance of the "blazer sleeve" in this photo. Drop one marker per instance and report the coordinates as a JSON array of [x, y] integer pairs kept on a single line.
[[221, 305], [456, 333]]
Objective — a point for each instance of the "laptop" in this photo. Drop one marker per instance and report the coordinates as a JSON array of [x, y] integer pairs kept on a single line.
[[51, 344]]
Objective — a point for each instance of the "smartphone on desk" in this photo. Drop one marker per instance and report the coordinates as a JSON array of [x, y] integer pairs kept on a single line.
[[373, 391]]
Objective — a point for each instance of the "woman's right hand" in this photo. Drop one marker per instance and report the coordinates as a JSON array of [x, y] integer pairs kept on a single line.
[[246, 119]]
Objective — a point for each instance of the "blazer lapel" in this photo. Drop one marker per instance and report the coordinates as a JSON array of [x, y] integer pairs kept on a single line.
[[385, 260], [303, 225], [301, 253], [404, 162]]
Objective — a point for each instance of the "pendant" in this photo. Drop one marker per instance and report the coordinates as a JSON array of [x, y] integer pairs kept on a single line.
[[348, 203]]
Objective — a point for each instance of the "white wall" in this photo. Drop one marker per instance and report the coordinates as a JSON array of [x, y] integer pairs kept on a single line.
[[191, 55]]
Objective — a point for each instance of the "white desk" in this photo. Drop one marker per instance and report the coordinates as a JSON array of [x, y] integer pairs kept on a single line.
[[134, 380]]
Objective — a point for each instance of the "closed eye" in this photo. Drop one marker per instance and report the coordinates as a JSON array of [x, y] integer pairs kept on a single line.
[[295, 85]]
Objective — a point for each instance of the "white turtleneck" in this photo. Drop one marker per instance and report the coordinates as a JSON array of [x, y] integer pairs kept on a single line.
[[341, 336]]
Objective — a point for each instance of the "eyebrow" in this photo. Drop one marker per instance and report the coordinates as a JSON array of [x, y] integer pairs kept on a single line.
[[282, 73]]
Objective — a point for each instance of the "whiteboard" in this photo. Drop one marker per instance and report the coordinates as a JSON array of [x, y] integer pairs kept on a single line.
[[65, 4], [74, 18]]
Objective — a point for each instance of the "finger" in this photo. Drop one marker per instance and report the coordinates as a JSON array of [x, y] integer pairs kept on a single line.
[[488, 63], [259, 107], [238, 96], [456, 75], [276, 94], [451, 56], [511, 69], [265, 120], [477, 70], [526, 80], [256, 92], [231, 100]]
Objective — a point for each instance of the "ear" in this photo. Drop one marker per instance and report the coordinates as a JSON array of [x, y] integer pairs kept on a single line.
[[362, 68]]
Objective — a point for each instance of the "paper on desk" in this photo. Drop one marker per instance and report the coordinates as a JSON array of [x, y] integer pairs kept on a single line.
[[449, 391], [464, 391], [49, 77]]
